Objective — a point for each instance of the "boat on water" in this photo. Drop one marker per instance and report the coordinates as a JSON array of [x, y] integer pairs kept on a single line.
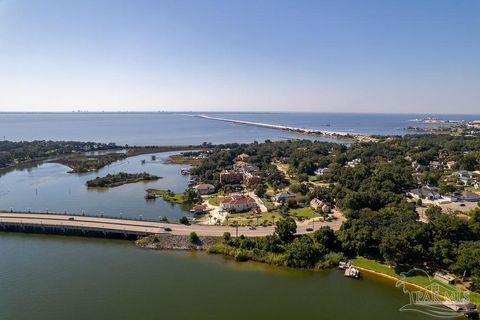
[[351, 272], [150, 196], [185, 171], [192, 182]]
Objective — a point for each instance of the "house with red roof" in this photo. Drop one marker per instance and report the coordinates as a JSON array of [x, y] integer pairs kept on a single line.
[[238, 203]]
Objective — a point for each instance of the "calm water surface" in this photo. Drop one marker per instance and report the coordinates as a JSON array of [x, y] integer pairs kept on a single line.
[[170, 128], [54, 277], [50, 186], [50, 277]]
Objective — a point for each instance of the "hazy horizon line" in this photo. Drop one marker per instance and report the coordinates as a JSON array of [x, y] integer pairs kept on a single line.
[[229, 112]]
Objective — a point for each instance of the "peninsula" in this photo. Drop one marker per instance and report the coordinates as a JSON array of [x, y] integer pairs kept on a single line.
[[118, 179], [332, 134]]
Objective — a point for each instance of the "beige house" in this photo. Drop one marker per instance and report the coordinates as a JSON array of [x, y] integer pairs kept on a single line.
[[238, 203], [205, 188]]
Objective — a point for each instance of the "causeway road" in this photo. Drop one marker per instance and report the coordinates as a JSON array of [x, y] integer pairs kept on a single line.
[[141, 226]]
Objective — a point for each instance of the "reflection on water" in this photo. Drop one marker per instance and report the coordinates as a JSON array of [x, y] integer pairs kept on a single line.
[[48, 186], [71, 278]]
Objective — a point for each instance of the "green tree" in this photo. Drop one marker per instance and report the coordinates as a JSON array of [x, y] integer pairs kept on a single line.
[[227, 237], [191, 196], [184, 220], [260, 190], [326, 237], [468, 259], [303, 252], [285, 229], [194, 237]]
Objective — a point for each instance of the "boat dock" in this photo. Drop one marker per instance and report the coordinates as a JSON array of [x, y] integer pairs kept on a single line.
[[350, 271]]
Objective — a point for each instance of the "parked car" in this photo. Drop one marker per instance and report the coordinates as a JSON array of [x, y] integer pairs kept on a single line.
[[167, 229]]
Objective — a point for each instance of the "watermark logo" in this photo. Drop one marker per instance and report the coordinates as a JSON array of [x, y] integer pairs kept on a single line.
[[435, 299]]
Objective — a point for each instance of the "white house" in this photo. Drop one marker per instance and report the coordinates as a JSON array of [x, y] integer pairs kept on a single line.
[[424, 193]]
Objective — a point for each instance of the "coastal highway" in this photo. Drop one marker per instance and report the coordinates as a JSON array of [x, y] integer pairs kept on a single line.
[[99, 223]]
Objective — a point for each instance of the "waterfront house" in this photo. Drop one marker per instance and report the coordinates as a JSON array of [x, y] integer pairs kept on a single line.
[[205, 188], [199, 209], [238, 203], [424, 193], [283, 196]]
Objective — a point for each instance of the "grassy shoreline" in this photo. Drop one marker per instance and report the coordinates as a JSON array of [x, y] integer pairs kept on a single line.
[[214, 245], [418, 282], [181, 159], [168, 195]]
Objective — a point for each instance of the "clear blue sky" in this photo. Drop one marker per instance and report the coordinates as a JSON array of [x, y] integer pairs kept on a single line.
[[357, 55]]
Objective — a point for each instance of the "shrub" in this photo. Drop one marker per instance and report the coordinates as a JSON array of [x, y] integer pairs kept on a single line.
[[194, 238], [241, 255], [227, 237], [331, 259]]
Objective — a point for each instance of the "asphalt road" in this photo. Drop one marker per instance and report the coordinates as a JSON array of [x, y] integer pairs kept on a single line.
[[147, 226]]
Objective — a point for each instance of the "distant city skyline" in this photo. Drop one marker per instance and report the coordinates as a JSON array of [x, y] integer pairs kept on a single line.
[[370, 56]]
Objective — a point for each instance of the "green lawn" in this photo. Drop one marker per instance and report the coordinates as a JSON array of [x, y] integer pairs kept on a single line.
[[422, 281], [214, 199], [306, 213], [169, 196], [249, 218], [268, 203]]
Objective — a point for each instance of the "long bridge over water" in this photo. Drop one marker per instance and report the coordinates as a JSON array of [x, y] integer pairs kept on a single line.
[[123, 228]]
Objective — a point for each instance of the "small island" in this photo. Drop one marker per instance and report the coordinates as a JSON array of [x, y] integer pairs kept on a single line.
[[81, 163], [118, 179]]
